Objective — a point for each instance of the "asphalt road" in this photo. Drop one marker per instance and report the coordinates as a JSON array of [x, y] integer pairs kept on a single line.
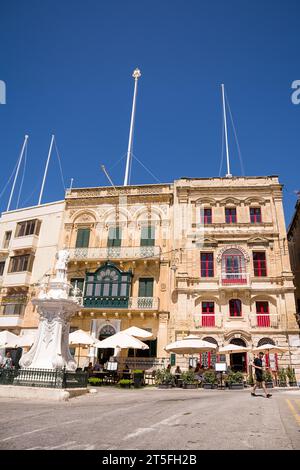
[[154, 419]]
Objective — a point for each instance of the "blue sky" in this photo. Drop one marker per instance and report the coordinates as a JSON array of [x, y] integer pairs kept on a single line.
[[67, 66]]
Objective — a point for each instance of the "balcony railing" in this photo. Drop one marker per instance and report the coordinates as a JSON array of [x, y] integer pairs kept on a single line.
[[131, 303], [236, 279], [264, 320], [122, 252], [208, 321]]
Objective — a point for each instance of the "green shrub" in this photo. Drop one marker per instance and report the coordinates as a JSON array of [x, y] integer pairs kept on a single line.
[[235, 378], [95, 381], [209, 377], [138, 372], [163, 376], [250, 380], [267, 376], [188, 377], [125, 382], [282, 376], [290, 372]]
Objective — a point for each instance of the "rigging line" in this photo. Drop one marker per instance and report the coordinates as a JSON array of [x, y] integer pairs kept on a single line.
[[236, 139], [31, 194], [134, 156], [23, 175], [113, 166], [10, 178], [60, 167], [222, 153]]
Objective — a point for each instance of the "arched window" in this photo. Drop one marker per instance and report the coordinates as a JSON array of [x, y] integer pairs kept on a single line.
[[238, 342], [263, 341], [233, 267], [235, 308], [107, 287], [106, 331]]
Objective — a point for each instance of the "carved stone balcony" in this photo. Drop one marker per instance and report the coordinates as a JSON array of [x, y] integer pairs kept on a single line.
[[235, 279], [264, 321], [208, 321], [114, 253], [130, 303]]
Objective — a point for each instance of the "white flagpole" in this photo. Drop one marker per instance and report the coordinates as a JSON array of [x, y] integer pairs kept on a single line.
[[46, 170], [136, 75], [229, 175], [17, 172]]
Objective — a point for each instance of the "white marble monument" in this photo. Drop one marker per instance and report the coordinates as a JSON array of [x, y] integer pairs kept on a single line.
[[51, 347]]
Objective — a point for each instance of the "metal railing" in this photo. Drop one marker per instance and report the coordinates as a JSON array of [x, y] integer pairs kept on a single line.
[[118, 252], [45, 378], [208, 321], [235, 279], [264, 320], [132, 303]]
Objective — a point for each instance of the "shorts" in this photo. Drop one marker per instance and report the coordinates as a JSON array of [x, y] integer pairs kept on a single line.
[[259, 378]]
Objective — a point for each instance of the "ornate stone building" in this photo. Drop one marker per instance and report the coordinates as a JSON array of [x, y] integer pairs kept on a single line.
[[119, 243], [233, 280]]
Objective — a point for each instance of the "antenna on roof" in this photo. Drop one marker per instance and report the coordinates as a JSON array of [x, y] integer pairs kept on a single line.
[[136, 75], [228, 175], [17, 172], [46, 170]]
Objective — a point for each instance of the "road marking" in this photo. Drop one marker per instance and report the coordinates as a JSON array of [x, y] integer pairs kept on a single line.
[[38, 430], [298, 402], [153, 427], [294, 412]]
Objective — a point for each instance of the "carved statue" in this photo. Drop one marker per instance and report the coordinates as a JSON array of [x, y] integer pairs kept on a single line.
[[61, 265]]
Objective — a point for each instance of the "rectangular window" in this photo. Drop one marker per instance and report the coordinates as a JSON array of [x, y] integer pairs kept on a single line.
[[114, 236], [2, 265], [13, 309], [28, 227], [208, 314], [148, 236], [262, 313], [230, 215], [206, 216], [146, 287], [207, 265], [259, 263], [21, 263], [255, 215], [7, 237], [83, 238], [235, 308]]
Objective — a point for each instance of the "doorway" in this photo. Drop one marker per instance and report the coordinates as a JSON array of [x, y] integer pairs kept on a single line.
[[104, 354], [238, 361]]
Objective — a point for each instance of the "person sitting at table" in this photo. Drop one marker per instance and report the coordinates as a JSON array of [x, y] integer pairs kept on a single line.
[[199, 372], [97, 367], [126, 372], [89, 369], [169, 367], [178, 371]]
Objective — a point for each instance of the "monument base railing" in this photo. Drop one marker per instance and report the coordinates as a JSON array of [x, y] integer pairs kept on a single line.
[[46, 378]]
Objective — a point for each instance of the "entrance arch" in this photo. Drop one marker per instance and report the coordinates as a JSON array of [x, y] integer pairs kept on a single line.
[[105, 354], [238, 361]]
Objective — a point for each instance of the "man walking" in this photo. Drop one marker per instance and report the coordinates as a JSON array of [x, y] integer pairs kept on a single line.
[[257, 364]]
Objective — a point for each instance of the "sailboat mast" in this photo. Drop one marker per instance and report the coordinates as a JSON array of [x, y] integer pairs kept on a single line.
[[136, 75], [46, 170], [17, 172], [228, 175]]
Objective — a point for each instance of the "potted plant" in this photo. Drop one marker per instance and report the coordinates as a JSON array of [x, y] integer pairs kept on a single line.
[[282, 378], [268, 378], [138, 378], [164, 378], [235, 380], [209, 379], [125, 383], [188, 379], [95, 381], [290, 372]]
